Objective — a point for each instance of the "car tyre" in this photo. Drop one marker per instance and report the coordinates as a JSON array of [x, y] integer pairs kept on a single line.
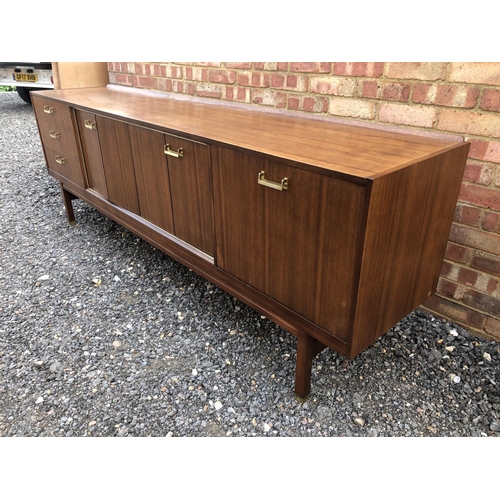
[[24, 94]]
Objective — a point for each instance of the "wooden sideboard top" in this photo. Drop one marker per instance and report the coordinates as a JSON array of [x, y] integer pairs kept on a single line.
[[355, 151]]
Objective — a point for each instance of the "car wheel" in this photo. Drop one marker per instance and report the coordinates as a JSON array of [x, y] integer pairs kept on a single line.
[[24, 94]]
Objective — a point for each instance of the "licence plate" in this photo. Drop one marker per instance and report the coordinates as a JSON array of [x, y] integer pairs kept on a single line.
[[24, 77]]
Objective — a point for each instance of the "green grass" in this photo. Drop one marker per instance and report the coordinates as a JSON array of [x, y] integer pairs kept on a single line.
[[6, 88]]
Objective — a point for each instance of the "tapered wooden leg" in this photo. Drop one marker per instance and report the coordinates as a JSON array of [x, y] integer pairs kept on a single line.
[[307, 348], [67, 197]]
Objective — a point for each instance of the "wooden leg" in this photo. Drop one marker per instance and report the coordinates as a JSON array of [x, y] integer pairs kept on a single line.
[[67, 197], [307, 348]]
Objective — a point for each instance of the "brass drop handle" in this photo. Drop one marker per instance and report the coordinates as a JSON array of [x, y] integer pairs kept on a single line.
[[177, 154], [274, 185], [90, 124], [48, 109], [60, 160], [54, 135]]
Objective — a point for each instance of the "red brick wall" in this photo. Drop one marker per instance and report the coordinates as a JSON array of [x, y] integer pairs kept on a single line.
[[449, 98]]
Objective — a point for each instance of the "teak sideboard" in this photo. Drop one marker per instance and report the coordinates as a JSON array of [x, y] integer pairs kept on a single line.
[[334, 232]]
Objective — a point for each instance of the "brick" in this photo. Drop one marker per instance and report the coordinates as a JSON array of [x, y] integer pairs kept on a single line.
[[492, 326], [188, 88], [310, 104], [416, 71], [315, 104], [145, 82], [396, 92], [480, 196], [449, 270], [311, 67], [468, 215], [209, 90], [253, 79], [369, 69], [221, 76], [470, 122], [298, 83], [447, 288], [475, 238], [196, 74], [479, 173], [467, 276], [455, 312], [238, 65], [334, 86], [127, 80], [487, 263], [485, 150], [482, 301], [236, 94], [491, 222], [354, 108], [278, 81], [209, 64], [270, 66], [164, 84], [405, 114], [175, 72], [490, 100], [478, 72], [368, 88], [391, 91], [485, 283], [268, 97], [458, 253], [458, 96]]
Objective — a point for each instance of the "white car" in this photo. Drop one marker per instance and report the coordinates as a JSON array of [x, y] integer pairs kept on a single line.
[[26, 76]]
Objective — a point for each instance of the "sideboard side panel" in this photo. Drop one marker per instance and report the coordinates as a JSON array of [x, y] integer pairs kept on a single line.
[[409, 220]]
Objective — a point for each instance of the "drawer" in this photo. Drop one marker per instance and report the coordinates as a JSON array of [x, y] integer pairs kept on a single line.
[[65, 165], [58, 137], [54, 113]]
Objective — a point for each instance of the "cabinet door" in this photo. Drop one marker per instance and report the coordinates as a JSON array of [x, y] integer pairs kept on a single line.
[[153, 185], [253, 233], [191, 189], [118, 163], [89, 139], [300, 246]]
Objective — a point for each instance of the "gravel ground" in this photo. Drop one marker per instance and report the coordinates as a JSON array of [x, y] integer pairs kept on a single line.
[[103, 335]]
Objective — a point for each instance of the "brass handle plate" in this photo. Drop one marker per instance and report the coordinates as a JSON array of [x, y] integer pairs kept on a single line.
[[60, 160], [90, 124], [271, 184], [54, 135], [177, 154], [49, 110]]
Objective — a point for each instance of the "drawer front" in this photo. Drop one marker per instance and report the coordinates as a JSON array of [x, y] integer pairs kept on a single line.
[[65, 165], [59, 138], [58, 115]]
